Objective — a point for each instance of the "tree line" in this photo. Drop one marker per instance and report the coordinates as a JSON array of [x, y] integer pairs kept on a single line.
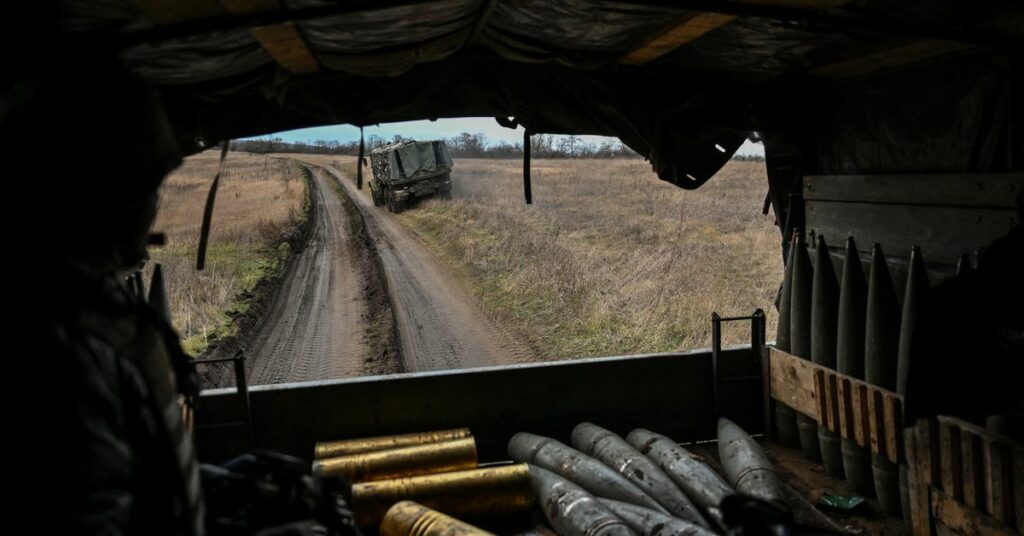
[[464, 145]]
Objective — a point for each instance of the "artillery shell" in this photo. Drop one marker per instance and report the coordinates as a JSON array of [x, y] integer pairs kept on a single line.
[[700, 482], [824, 328], [746, 466], [344, 447], [616, 453], [800, 336], [408, 518], [585, 471], [647, 522], [571, 510], [406, 461], [881, 351], [488, 491], [850, 361]]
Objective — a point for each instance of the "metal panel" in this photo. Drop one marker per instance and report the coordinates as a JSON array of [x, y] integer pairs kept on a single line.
[[669, 393], [942, 232], [987, 190]]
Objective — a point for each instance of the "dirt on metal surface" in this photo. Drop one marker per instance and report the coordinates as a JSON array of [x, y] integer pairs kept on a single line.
[[439, 324], [316, 327]]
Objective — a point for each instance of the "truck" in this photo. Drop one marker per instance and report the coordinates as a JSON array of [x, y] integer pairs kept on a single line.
[[894, 123], [409, 170]]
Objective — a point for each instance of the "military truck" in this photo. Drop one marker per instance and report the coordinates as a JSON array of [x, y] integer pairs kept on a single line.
[[408, 170]]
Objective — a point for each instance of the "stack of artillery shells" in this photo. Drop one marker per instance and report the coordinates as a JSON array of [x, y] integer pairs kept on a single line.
[[645, 484], [438, 469]]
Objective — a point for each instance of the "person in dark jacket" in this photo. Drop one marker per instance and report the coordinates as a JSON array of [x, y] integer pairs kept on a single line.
[[109, 451], [95, 146]]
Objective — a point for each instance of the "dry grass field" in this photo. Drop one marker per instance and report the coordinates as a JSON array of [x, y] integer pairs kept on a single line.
[[259, 203], [608, 260]]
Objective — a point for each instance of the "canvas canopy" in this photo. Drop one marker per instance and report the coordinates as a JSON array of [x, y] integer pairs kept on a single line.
[[855, 86]]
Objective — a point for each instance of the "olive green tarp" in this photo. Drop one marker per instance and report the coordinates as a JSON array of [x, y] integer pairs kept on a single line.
[[555, 67]]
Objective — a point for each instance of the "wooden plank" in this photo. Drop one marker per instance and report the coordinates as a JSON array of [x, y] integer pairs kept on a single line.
[[974, 469], [986, 190], [846, 419], [998, 464], [889, 58], [832, 387], [674, 36], [284, 43], [872, 416], [963, 520], [766, 393], [792, 382], [876, 422], [918, 466], [821, 392], [934, 475], [991, 469], [893, 427], [950, 459], [861, 416], [942, 233]]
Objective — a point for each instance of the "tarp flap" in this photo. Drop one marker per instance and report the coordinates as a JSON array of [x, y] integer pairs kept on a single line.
[[385, 29], [387, 42], [188, 61], [761, 49], [561, 31], [677, 125], [686, 104], [417, 159]]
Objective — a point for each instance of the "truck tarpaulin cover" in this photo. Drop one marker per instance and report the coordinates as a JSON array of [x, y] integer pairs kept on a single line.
[[683, 87], [419, 159]]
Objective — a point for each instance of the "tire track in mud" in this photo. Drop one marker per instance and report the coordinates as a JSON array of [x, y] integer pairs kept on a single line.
[[439, 325], [316, 327]]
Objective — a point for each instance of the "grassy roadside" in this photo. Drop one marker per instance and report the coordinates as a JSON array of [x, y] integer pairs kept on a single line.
[[262, 205], [608, 260]]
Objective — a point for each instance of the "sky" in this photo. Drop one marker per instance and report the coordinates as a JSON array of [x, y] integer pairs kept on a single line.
[[442, 128]]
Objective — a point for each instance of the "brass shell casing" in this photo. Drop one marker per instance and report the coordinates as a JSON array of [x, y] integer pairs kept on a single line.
[[430, 458], [483, 492], [407, 518], [345, 447]]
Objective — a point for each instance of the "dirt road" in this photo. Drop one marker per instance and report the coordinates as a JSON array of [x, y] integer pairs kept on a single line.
[[327, 320], [439, 325], [316, 326]]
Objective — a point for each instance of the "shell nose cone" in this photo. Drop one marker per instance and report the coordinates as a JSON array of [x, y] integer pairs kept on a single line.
[[728, 430], [585, 434], [523, 445], [641, 438]]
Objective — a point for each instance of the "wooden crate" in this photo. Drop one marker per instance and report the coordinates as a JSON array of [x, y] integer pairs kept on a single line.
[[871, 416], [964, 479], [967, 480]]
